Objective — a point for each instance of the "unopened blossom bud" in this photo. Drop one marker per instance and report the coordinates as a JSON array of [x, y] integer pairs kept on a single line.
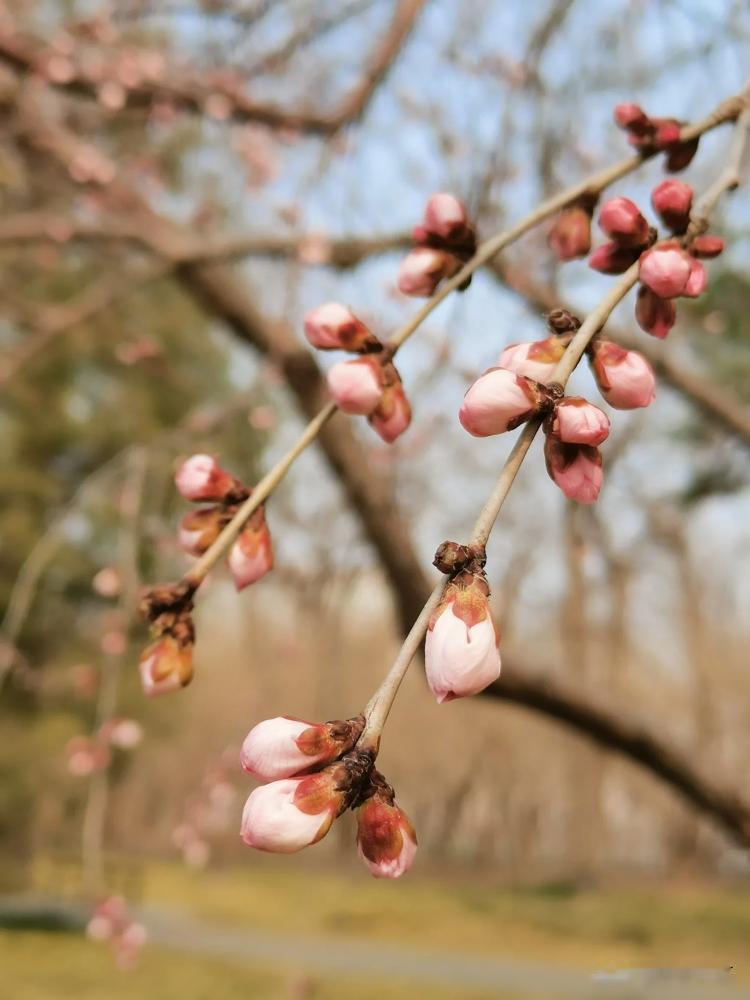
[[613, 258], [570, 235], [625, 378], [200, 528], [386, 840], [667, 131], [333, 327], [166, 665], [672, 201], [356, 385], [575, 468], [622, 221], [697, 280], [665, 270], [680, 155], [284, 747], [498, 401], [392, 416], [461, 654], [654, 315], [446, 216], [707, 246], [201, 478], [85, 756], [562, 321], [450, 557], [536, 359], [124, 734], [576, 421], [287, 815], [422, 270], [251, 556], [631, 117]]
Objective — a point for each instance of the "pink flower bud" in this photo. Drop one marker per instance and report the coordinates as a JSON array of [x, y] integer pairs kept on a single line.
[[199, 529], [625, 378], [672, 201], [445, 216], [498, 401], [386, 840], [697, 280], [392, 416], [612, 258], [356, 385], [125, 734], [287, 815], [251, 556], [284, 747], [200, 478], [631, 117], [575, 468], [166, 665], [85, 757], [667, 131], [707, 246], [576, 421], [665, 269], [461, 654], [422, 270], [333, 327], [621, 220], [99, 928], [570, 235], [535, 359], [653, 314]]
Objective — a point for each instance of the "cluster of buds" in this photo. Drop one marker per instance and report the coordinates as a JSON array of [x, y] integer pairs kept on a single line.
[[312, 774], [461, 645], [201, 480], [370, 385], [625, 379], [570, 234], [573, 430], [166, 664], [86, 756], [444, 241], [656, 135], [208, 811], [111, 922], [667, 271]]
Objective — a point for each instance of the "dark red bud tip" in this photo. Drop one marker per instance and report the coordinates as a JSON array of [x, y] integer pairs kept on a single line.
[[707, 246]]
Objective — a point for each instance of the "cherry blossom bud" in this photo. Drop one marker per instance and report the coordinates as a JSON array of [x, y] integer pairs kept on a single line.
[[461, 654], [631, 117], [707, 246], [166, 665], [201, 478], [386, 840], [536, 359], [251, 556], [653, 314], [672, 201], [576, 421], [498, 401], [613, 258], [575, 468], [665, 269], [392, 416], [667, 131], [697, 280], [356, 386], [199, 529], [446, 216], [680, 155], [625, 378], [85, 756], [124, 734], [333, 327], [622, 221], [422, 270], [99, 928], [284, 747], [287, 815], [570, 235]]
